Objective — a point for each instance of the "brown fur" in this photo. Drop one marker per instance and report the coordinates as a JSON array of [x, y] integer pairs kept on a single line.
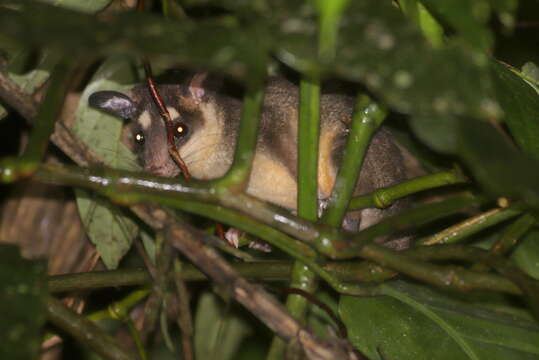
[[213, 123]]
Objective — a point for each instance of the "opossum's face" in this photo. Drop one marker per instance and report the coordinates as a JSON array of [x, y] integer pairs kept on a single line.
[[198, 132]]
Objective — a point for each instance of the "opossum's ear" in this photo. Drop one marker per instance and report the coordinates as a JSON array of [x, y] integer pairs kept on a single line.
[[193, 92], [113, 102]]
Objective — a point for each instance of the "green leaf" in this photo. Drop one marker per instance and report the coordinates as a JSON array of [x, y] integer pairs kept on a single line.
[[467, 17], [378, 47], [520, 104], [413, 322], [101, 131], [110, 230], [233, 47], [420, 16], [439, 133], [31, 79], [497, 165], [526, 255], [470, 18], [107, 227], [22, 297], [218, 330], [515, 99]]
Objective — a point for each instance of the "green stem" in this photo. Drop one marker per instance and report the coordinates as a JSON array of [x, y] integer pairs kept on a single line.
[[48, 113], [121, 308], [238, 175], [384, 197], [308, 141], [470, 226], [508, 239], [345, 271], [329, 16], [331, 243], [526, 285], [420, 16], [328, 40], [302, 278], [349, 271], [367, 119], [411, 219], [165, 6], [128, 188], [510, 236], [307, 201], [450, 277], [276, 238], [309, 133]]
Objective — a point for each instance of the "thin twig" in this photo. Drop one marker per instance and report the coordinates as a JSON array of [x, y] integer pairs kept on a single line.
[[191, 242], [470, 226], [184, 314], [171, 145]]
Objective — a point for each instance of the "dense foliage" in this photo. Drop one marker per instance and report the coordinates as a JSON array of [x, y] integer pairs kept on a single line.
[[438, 72]]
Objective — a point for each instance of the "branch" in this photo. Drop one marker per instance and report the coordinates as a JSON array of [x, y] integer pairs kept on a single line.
[[510, 236], [448, 277], [384, 197], [347, 271], [470, 226], [85, 331], [367, 119], [266, 308], [12, 94]]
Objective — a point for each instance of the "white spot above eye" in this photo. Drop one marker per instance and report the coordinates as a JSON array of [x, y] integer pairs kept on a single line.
[[174, 114], [145, 120]]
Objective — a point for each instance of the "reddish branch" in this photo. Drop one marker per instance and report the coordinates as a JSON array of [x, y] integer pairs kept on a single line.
[[171, 146]]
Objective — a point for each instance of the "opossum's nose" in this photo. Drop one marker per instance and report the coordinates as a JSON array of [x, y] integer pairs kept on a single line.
[[164, 170]]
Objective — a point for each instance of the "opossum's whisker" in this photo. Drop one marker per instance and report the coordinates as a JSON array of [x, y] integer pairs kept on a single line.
[[195, 151]]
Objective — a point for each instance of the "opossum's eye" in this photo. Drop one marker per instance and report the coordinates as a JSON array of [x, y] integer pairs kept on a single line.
[[139, 138], [181, 131]]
